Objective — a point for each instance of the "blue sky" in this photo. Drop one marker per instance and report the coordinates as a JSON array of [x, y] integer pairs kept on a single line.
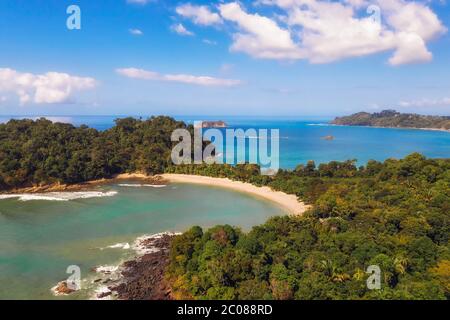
[[266, 57]]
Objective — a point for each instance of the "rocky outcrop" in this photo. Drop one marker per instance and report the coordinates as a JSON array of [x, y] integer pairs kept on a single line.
[[62, 288], [143, 278]]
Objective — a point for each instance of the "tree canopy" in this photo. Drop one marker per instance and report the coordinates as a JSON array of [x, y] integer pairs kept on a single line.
[[42, 152], [393, 214]]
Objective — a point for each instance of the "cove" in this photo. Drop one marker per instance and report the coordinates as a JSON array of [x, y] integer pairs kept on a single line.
[[39, 239]]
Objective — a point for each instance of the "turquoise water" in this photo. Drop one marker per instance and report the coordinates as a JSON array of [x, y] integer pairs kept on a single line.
[[39, 239], [301, 139]]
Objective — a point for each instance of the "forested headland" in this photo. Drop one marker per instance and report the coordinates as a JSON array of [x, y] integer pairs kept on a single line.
[[395, 215], [41, 152], [394, 119]]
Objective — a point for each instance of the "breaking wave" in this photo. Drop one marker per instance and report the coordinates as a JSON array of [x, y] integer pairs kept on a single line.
[[58, 196]]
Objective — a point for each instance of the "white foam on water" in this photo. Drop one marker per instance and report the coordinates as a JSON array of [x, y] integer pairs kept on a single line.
[[106, 269], [112, 274], [138, 185], [142, 249], [101, 290], [120, 245], [58, 196], [321, 124]]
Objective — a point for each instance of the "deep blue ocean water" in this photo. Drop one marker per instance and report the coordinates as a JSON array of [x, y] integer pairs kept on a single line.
[[301, 139]]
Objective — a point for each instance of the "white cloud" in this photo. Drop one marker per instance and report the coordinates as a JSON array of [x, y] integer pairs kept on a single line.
[[323, 31], [259, 36], [135, 32], [199, 14], [444, 102], [51, 87], [142, 74], [181, 30]]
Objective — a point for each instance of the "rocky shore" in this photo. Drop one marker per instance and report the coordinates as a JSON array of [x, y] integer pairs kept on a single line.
[[143, 277]]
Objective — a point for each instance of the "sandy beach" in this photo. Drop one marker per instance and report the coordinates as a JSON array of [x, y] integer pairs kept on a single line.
[[288, 202]]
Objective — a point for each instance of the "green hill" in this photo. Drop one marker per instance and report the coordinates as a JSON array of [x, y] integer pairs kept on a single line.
[[392, 118]]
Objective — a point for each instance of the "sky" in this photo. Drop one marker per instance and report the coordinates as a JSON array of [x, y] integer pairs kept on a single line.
[[252, 58]]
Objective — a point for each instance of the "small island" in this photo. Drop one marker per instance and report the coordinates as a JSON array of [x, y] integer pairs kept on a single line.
[[394, 119], [212, 124]]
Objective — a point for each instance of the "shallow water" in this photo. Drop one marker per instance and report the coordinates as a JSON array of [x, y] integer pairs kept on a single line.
[[39, 239]]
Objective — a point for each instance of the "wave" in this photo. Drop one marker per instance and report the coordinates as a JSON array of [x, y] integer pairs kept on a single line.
[[138, 185], [58, 196], [120, 245], [112, 275], [106, 269], [320, 124], [143, 244]]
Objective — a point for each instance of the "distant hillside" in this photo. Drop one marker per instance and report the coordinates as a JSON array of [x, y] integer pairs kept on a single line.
[[392, 118]]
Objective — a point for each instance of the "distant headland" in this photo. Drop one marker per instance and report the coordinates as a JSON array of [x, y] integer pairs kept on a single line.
[[394, 119]]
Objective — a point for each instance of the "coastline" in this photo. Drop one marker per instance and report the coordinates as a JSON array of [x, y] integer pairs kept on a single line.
[[379, 127], [288, 202], [84, 186]]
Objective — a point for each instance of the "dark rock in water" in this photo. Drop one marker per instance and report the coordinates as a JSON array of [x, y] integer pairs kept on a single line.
[[328, 138], [143, 278], [62, 288]]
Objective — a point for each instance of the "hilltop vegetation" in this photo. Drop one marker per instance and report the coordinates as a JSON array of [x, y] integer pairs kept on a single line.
[[41, 152], [392, 118], [393, 214]]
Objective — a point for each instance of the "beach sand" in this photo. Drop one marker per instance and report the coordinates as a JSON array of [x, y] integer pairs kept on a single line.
[[288, 202]]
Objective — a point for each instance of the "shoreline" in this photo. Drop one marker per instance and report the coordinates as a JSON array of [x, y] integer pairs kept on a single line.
[[84, 186], [379, 127], [288, 202]]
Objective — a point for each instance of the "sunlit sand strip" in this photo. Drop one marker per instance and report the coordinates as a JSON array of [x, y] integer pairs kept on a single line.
[[287, 201]]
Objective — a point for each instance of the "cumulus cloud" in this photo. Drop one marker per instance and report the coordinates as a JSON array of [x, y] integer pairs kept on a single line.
[[199, 14], [444, 102], [259, 36], [142, 74], [323, 31], [51, 87], [181, 30], [135, 32]]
